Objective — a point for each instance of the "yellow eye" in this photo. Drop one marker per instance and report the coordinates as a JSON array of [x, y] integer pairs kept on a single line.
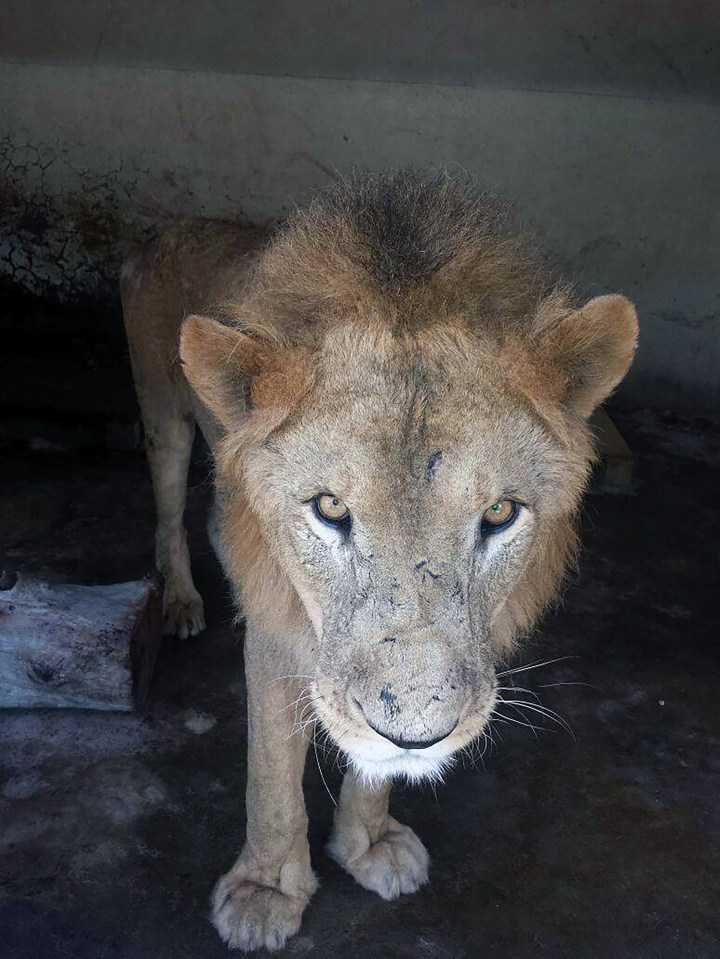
[[501, 513], [331, 508]]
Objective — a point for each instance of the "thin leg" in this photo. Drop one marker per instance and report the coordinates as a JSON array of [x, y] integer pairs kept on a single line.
[[152, 322], [378, 851], [260, 901], [168, 440]]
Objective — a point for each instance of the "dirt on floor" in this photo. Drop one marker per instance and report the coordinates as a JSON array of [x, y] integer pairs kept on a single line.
[[604, 844]]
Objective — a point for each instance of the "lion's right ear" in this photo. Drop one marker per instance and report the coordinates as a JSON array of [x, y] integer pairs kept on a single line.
[[219, 362], [593, 348]]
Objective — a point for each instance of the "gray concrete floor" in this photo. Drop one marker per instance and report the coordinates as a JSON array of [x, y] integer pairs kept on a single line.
[[113, 828]]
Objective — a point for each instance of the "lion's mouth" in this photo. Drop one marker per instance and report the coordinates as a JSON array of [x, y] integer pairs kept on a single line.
[[376, 758], [413, 750], [405, 743]]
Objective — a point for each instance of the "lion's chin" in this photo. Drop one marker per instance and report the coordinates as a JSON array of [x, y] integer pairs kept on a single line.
[[414, 769], [377, 765]]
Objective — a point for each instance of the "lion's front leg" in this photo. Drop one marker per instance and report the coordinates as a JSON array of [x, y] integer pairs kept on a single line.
[[378, 851], [260, 901]]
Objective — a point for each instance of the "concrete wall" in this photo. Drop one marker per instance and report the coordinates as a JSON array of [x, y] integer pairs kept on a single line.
[[602, 123]]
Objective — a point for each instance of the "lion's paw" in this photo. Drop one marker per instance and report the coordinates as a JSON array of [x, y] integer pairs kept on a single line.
[[183, 615], [395, 865], [249, 915]]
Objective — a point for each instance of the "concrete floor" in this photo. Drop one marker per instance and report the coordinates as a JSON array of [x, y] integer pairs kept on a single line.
[[113, 828]]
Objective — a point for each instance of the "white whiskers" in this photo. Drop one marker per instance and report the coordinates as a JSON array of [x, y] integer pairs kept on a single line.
[[525, 669], [530, 705], [520, 706]]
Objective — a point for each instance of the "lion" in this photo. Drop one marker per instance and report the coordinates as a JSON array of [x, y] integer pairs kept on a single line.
[[396, 397]]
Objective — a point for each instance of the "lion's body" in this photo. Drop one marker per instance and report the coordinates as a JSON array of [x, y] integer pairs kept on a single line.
[[395, 346]]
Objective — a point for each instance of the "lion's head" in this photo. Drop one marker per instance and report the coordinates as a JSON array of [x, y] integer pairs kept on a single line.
[[404, 399]]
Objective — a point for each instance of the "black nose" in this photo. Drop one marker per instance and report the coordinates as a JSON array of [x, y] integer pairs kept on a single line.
[[412, 743]]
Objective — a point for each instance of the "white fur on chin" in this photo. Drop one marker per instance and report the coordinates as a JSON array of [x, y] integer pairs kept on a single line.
[[409, 765]]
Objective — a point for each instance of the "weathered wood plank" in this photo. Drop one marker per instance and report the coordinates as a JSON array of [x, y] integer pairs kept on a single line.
[[90, 647]]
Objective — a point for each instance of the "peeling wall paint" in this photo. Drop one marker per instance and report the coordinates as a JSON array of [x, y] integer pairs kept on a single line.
[[69, 242]]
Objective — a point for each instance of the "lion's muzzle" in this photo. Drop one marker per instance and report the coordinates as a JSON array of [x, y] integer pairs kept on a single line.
[[397, 739]]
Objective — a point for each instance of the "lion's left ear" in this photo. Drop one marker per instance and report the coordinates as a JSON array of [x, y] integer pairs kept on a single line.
[[593, 347], [219, 361]]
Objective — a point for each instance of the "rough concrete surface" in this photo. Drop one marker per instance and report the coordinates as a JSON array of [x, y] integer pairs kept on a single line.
[[601, 846], [652, 48], [621, 188]]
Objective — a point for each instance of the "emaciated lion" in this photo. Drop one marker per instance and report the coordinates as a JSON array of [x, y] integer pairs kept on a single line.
[[396, 398]]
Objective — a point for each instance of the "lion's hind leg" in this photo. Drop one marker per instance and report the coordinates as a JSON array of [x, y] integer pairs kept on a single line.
[[152, 321]]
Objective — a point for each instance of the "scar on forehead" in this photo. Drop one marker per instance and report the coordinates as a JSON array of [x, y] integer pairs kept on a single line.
[[433, 465]]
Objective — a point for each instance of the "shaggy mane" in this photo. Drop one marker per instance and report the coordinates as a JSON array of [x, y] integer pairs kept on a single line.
[[411, 248]]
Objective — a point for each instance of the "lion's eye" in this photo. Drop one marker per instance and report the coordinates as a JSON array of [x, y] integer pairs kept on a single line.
[[332, 508], [499, 516]]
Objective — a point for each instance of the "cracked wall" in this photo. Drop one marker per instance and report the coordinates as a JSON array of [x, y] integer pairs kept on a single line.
[[64, 230]]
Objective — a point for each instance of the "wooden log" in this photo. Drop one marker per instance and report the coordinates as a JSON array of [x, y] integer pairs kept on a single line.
[[90, 647]]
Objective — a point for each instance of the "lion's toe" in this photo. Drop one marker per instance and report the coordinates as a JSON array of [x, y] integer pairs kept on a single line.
[[397, 864], [183, 616], [250, 916]]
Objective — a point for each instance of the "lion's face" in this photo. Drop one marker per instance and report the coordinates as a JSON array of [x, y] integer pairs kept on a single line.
[[404, 400], [405, 498]]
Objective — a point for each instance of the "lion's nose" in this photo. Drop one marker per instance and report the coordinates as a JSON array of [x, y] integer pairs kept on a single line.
[[411, 743]]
